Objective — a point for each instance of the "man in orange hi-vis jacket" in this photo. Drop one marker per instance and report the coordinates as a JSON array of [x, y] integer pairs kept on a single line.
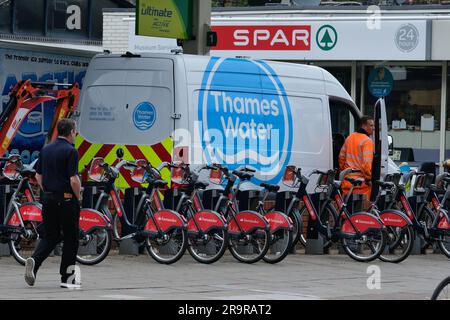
[[357, 153]]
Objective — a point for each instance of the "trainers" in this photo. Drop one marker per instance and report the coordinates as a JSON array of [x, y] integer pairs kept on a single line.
[[73, 285], [30, 276]]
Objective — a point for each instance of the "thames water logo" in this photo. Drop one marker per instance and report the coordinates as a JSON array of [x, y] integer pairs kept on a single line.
[[144, 116], [245, 117]]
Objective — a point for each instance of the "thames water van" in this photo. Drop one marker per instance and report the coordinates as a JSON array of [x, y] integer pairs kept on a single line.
[[201, 109]]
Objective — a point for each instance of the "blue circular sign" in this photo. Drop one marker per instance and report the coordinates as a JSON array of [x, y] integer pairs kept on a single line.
[[380, 82], [245, 117], [144, 116]]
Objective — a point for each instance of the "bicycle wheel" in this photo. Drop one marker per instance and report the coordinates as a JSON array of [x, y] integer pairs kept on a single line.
[[279, 245], [366, 248], [249, 247], [444, 244], [23, 245], [297, 233], [210, 247], [169, 248], [399, 244], [442, 291], [94, 246]]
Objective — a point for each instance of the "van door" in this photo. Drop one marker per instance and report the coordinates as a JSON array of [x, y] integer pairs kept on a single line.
[[128, 101]]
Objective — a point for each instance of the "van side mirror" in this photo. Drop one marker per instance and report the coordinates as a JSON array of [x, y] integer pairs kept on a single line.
[[120, 153], [391, 145]]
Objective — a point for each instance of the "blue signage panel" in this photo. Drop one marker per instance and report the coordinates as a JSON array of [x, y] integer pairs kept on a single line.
[[380, 82]]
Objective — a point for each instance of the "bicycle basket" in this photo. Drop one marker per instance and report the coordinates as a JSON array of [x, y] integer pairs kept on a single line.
[[10, 170], [179, 175], [289, 177], [440, 183], [393, 177], [325, 180], [97, 172], [423, 181], [216, 176], [139, 174]]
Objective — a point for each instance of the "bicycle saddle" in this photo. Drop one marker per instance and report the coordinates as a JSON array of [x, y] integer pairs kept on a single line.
[[158, 183], [385, 184], [200, 185], [27, 172], [243, 175], [355, 182], [270, 187]]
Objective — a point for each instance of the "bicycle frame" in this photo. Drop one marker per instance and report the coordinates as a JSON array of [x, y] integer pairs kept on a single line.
[[347, 226], [438, 227], [229, 199], [17, 213]]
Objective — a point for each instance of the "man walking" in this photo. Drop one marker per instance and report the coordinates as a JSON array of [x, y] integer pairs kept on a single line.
[[57, 175], [357, 153]]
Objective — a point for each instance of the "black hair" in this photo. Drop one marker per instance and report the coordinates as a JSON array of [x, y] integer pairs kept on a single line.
[[364, 120], [65, 126]]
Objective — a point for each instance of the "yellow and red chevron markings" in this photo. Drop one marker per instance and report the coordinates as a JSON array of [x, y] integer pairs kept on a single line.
[[155, 154]]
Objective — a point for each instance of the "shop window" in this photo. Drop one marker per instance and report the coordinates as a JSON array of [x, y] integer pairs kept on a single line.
[[413, 108], [68, 17], [5, 16], [29, 16]]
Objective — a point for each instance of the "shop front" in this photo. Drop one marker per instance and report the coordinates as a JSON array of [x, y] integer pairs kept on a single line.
[[350, 44]]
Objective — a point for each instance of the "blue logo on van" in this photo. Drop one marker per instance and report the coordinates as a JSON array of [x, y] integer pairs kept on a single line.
[[144, 116], [245, 117]]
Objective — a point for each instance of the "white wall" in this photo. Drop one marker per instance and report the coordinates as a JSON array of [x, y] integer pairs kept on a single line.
[[440, 46], [116, 31]]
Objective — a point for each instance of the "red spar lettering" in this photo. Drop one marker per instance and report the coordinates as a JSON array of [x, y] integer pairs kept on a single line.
[[263, 37]]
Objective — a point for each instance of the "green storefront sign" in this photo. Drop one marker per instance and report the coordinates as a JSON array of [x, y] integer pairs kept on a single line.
[[164, 18]]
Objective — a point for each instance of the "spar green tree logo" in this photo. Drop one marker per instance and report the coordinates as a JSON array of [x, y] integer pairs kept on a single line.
[[326, 37]]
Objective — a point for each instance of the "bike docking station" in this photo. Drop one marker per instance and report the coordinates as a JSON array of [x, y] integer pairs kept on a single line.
[[131, 197], [314, 240], [419, 242], [282, 201], [6, 192]]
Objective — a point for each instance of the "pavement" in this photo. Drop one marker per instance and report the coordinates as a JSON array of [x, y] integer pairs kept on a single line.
[[298, 277]]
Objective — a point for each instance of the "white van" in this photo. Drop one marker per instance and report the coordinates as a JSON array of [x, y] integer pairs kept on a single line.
[[265, 115]]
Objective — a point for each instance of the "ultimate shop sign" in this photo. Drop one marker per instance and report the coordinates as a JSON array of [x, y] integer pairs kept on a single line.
[[27, 65]]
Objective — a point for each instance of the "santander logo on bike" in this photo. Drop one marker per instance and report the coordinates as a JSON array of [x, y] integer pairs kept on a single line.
[[238, 125], [207, 220], [166, 219], [248, 221], [365, 222]]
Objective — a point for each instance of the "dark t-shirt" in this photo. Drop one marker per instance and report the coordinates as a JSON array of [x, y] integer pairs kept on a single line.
[[57, 162]]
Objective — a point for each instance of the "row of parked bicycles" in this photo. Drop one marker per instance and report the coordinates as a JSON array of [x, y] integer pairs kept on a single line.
[[386, 231]]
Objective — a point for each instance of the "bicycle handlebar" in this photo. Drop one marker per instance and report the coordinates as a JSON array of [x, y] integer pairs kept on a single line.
[[347, 171], [318, 172]]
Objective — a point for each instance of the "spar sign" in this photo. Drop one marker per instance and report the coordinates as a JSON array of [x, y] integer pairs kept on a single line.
[[263, 37], [310, 38], [245, 118]]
